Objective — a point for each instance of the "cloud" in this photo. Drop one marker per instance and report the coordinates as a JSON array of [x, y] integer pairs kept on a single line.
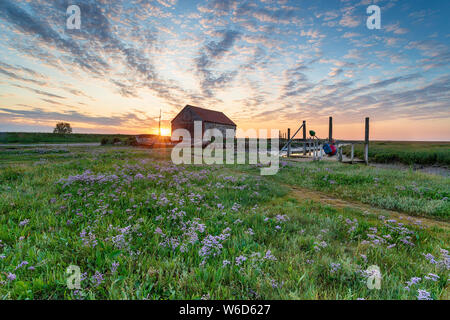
[[14, 76], [253, 58], [335, 72], [387, 82], [125, 119], [41, 92], [209, 55], [348, 19]]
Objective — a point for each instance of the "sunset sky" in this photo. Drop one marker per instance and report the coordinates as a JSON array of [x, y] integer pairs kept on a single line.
[[265, 64]]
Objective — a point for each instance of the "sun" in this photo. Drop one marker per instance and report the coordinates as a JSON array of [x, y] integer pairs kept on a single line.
[[165, 132]]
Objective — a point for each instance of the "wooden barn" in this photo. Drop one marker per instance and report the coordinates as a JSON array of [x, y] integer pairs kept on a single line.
[[209, 118]]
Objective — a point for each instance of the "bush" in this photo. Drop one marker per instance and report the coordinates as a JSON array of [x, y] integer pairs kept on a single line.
[[131, 141], [62, 128]]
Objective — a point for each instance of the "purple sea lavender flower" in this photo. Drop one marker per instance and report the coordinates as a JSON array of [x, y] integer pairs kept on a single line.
[[269, 256], [11, 276], [20, 265], [114, 267], [430, 258], [24, 222], [250, 231], [275, 284], [97, 278], [423, 295], [335, 267], [413, 281], [433, 277], [240, 260]]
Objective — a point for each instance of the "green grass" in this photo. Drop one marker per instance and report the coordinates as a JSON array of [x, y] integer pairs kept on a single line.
[[32, 137], [415, 193], [424, 153], [112, 214]]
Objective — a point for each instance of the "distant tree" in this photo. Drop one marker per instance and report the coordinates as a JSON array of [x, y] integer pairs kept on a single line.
[[62, 127]]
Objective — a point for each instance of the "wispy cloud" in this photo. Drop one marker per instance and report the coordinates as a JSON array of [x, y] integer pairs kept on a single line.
[[256, 60]]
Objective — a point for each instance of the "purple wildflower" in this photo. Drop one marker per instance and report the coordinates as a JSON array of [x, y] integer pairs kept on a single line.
[[24, 222], [240, 260], [11, 276], [97, 278], [423, 295], [20, 265], [335, 267], [431, 276], [269, 256], [114, 267]]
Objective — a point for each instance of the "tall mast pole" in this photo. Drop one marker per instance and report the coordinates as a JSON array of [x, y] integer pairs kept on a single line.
[[159, 129]]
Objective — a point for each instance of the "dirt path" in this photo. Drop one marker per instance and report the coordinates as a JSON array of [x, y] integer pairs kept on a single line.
[[303, 194]]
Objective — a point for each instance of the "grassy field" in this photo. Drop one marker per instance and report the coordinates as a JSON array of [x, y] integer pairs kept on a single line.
[[424, 153], [32, 137], [140, 227]]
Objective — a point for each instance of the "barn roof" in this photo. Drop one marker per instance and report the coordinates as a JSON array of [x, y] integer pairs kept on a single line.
[[210, 115]]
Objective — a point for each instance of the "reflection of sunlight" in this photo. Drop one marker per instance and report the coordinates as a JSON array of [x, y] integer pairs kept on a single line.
[[165, 132]]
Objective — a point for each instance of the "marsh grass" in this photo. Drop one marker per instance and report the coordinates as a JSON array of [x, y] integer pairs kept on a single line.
[[410, 153], [142, 228], [415, 193]]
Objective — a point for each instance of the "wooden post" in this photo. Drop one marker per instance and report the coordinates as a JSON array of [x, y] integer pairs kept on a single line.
[[340, 153], [366, 142], [330, 129], [289, 145], [352, 153], [316, 150], [304, 137]]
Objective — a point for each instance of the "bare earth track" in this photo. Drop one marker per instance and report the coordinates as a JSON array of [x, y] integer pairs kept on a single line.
[[302, 194]]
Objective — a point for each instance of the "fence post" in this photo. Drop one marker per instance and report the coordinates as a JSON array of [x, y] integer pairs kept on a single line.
[[366, 142], [330, 129], [289, 145], [304, 137], [352, 153]]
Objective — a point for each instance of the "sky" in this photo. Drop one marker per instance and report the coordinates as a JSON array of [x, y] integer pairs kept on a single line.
[[266, 64]]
